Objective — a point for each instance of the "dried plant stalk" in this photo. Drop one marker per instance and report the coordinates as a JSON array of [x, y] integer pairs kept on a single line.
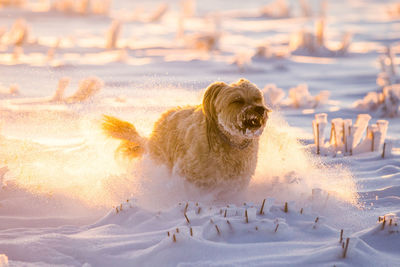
[[262, 207], [346, 247], [320, 25], [87, 88], [318, 151], [216, 227], [62, 85], [100, 7], [383, 151], [18, 33], [158, 13], [187, 219], [112, 34]]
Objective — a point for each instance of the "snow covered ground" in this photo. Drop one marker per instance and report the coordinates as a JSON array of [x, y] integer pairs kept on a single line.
[[66, 200]]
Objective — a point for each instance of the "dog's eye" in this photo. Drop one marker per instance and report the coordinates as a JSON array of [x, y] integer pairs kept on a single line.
[[238, 101]]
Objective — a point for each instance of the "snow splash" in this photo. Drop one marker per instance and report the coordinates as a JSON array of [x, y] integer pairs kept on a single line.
[[86, 171], [286, 171]]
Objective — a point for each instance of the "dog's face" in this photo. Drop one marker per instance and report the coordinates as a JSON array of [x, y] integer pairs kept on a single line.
[[238, 108]]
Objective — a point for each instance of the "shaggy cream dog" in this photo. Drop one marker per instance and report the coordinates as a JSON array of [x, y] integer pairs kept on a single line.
[[210, 145]]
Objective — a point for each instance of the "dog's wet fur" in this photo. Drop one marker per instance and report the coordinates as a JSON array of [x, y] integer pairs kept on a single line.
[[210, 145]]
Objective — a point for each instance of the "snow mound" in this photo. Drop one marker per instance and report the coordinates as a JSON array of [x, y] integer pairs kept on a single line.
[[299, 97], [12, 91], [18, 34], [87, 89], [267, 53], [307, 43], [223, 224], [276, 9], [385, 236], [387, 102], [273, 96], [393, 10], [84, 7], [196, 234]]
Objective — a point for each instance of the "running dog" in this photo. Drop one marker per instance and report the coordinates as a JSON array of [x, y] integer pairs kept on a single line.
[[210, 145]]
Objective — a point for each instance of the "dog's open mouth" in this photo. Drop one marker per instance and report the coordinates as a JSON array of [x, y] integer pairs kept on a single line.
[[249, 122], [252, 121]]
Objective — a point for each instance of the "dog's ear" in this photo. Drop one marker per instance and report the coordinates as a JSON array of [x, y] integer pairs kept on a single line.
[[210, 95]]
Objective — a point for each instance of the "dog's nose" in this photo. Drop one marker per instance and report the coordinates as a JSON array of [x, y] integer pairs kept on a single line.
[[260, 110]]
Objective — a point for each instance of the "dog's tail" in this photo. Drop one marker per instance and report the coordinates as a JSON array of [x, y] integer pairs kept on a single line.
[[132, 144]]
